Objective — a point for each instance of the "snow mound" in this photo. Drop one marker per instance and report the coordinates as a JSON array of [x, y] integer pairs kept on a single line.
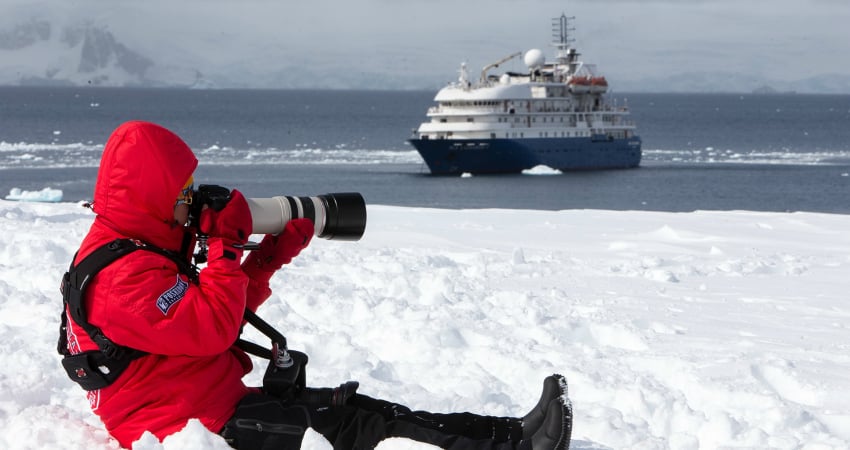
[[693, 330]]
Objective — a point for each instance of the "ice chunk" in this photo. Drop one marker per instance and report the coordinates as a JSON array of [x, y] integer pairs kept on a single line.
[[44, 195], [541, 170]]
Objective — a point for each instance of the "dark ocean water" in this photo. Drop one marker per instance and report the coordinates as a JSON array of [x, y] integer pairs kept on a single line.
[[708, 152]]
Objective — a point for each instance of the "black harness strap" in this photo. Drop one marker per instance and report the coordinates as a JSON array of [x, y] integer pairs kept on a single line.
[[285, 376], [97, 369]]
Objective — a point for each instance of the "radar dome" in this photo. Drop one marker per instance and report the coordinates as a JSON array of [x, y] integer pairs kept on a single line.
[[534, 58]]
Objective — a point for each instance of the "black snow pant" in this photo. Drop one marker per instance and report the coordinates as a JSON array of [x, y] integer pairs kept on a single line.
[[264, 422]]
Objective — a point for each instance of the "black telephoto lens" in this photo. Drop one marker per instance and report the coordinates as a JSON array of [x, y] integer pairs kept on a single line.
[[345, 216]]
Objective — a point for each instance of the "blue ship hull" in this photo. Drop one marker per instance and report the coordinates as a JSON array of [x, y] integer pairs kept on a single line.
[[481, 156]]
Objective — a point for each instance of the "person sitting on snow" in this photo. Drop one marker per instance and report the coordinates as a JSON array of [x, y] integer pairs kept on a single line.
[[153, 343]]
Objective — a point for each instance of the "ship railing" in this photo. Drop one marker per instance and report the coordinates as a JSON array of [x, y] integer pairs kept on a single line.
[[489, 110], [529, 120], [585, 110], [577, 125], [478, 110]]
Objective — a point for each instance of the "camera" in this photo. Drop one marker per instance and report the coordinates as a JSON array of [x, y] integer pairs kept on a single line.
[[339, 216]]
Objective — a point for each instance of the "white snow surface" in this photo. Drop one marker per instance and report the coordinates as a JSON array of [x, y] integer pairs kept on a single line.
[[694, 330]]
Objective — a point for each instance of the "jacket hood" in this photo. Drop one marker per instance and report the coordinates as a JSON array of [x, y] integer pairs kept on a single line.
[[143, 168]]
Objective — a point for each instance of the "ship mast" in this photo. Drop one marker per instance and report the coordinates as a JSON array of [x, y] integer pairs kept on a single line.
[[561, 40]]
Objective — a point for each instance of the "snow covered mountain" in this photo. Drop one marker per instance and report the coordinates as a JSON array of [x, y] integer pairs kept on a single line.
[[116, 45], [725, 82], [40, 52], [50, 43]]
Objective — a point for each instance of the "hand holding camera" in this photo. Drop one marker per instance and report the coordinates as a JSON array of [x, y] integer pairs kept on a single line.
[[276, 250], [232, 222]]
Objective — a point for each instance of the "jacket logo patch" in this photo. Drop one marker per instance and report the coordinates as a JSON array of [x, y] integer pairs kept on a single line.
[[173, 295]]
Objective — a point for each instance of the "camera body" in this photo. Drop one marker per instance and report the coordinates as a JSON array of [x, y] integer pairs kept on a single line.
[[337, 216]]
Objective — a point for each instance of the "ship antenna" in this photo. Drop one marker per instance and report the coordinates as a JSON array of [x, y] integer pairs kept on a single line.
[[561, 40]]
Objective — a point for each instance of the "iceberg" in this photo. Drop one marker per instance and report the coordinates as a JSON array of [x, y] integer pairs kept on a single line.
[[44, 195]]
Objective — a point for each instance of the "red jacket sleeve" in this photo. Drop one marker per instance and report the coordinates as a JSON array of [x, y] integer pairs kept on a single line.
[[144, 303], [258, 285]]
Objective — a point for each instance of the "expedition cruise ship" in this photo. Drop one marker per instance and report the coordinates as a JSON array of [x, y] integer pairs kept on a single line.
[[554, 115]]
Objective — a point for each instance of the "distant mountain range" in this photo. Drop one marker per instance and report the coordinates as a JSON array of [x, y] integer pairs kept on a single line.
[[38, 52], [717, 82]]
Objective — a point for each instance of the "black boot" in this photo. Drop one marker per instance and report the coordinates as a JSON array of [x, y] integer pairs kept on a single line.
[[554, 386], [554, 433]]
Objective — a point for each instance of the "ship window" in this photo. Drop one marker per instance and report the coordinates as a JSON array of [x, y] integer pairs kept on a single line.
[[492, 135], [470, 119], [442, 120]]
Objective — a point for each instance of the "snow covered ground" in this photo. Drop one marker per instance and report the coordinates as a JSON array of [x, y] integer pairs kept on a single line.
[[695, 330]]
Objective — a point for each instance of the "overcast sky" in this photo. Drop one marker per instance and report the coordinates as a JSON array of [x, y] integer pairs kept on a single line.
[[776, 39]]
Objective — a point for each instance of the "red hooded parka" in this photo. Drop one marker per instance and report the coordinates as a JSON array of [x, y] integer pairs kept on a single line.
[[192, 370]]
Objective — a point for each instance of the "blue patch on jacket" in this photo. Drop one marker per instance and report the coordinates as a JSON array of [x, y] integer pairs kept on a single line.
[[172, 296]]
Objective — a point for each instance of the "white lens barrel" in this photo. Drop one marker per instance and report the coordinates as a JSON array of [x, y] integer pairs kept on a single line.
[[270, 215]]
